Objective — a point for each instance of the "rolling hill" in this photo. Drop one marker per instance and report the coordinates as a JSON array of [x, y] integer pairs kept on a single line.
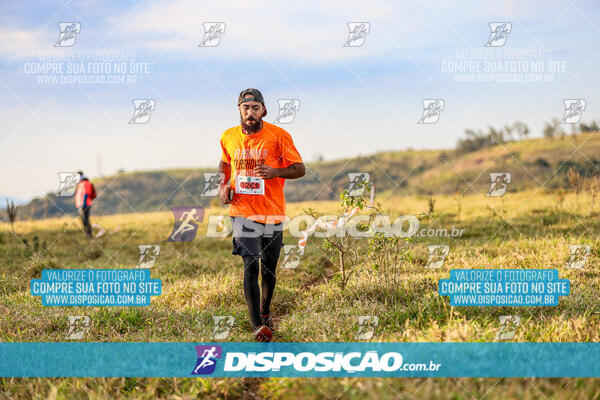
[[540, 163]]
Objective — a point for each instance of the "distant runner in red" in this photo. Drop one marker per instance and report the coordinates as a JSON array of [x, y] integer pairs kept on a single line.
[[256, 160], [84, 196]]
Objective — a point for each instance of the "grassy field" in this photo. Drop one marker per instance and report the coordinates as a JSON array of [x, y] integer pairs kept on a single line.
[[201, 279]]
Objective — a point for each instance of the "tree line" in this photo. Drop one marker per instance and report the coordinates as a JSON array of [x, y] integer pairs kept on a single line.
[[479, 139]]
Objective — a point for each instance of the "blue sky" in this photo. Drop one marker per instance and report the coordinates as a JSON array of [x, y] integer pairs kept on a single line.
[[353, 100]]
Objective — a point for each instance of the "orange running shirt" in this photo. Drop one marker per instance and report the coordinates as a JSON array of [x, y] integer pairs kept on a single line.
[[272, 146]]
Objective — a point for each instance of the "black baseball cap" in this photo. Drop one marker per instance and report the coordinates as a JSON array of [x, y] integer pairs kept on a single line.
[[256, 96]]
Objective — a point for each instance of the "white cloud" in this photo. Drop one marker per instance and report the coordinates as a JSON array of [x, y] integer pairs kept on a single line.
[[285, 30], [20, 43]]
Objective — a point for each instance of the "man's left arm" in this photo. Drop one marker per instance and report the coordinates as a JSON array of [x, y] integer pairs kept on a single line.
[[293, 171]]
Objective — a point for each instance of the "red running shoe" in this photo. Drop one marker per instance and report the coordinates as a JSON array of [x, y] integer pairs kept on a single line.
[[263, 334]]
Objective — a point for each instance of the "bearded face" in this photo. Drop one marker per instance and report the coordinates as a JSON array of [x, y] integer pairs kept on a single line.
[[251, 114], [250, 124]]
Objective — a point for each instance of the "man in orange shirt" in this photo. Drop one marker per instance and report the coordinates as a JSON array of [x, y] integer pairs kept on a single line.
[[257, 158]]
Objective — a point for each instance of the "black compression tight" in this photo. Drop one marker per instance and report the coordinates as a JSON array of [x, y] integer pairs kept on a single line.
[[255, 301]]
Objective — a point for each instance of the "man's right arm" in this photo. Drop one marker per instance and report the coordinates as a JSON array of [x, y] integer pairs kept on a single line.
[[225, 169]]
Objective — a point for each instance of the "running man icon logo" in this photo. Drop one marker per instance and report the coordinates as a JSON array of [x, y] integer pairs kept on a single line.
[[292, 254], [142, 108], [287, 110], [432, 109], [207, 359], [211, 183], [500, 181], [186, 222], [508, 327], [68, 184], [223, 324], [366, 326], [358, 181], [78, 325], [212, 34], [68, 34], [437, 255], [579, 254], [498, 34], [357, 33], [573, 110], [148, 254]]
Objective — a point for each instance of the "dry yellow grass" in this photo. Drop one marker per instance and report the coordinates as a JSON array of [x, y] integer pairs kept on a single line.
[[530, 229]]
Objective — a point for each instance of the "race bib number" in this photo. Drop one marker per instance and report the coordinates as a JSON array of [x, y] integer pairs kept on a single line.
[[249, 185]]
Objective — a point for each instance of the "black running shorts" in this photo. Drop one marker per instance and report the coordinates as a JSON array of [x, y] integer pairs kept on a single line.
[[254, 238]]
